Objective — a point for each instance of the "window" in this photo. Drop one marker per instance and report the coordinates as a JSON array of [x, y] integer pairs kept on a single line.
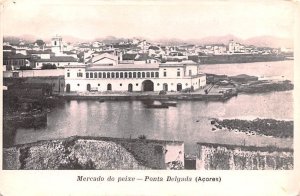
[[130, 75], [95, 75], [68, 74], [156, 74], [91, 75], [152, 74], [104, 75], [112, 75], [178, 73], [148, 74], [157, 84], [143, 74], [87, 75], [134, 74], [190, 72], [136, 84], [139, 74], [121, 75], [79, 74], [165, 74], [120, 84], [108, 75], [125, 75], [78, 84], [99, 75], [117, 75], [98, 84]]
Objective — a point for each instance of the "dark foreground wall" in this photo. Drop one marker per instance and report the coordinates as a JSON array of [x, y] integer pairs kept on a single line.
[[89, 153], [231, 157]]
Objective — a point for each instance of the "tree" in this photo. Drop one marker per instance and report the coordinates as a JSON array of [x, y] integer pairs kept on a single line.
[[40, 42], [48, 66], [24, 67]]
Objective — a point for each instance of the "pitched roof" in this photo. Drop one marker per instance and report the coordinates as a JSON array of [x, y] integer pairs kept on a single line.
[[127, 56], [8, 48], [10, 55], [122, 67], [58, 59]]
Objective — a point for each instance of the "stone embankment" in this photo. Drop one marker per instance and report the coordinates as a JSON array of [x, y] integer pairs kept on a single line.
[[232, 157], [95, 153]]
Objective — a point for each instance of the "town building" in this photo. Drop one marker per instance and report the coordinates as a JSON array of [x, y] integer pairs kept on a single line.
[[169, 76], [58, 61]]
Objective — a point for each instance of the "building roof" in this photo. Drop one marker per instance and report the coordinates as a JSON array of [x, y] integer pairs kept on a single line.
[[127, 56], [119, 67], [58, 59], [5, 47], [10, 55], [177, 64], [39, 52]]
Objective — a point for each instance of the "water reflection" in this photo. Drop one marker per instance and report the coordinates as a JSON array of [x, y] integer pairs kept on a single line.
[[188, 122]]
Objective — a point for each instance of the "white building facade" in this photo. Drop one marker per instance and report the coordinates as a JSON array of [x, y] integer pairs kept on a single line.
[[170, 76]]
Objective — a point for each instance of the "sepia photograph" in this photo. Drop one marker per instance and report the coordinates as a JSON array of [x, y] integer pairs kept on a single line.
[[150, 85]]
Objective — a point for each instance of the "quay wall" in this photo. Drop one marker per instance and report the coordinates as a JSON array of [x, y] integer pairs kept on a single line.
[[231, 157], [88, 153]]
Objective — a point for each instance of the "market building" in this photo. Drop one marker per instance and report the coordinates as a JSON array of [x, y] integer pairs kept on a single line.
[[169, 76]]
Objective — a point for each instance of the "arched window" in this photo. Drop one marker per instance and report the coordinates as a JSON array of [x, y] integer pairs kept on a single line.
[[91, 75], [143, 74], [148, 74], [152, 74], [139, 74], [112, 75], [130, 75], [95, 75], [104, 75], [125, 75], [117, 75], [121, 75], [134, 74], [99, 75], [108, 75], [87, 75], [156, 74]]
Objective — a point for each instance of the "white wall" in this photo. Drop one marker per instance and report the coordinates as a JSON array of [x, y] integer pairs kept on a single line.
[[121, 84]]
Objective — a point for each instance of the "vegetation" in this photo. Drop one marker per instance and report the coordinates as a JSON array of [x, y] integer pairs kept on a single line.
[[262, 87], [142, 137], [48, 66], [24, 67], [267, 127]]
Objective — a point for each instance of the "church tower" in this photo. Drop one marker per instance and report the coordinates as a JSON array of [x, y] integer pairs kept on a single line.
[[57, 45]]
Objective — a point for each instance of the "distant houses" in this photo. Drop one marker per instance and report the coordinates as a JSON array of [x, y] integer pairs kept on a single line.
[[130, 51]]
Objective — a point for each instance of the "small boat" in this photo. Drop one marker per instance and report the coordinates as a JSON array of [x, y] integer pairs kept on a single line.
[[156, 105], [169, 103]]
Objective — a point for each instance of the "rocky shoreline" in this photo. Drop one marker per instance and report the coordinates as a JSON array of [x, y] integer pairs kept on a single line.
[[265, 127], [265, 87]]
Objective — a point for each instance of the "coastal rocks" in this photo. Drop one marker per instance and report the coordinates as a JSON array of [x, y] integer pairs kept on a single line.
[[266, 127], [232, 157], [265, 86]]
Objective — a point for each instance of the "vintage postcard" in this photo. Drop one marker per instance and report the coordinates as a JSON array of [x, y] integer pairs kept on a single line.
[[114, 97]]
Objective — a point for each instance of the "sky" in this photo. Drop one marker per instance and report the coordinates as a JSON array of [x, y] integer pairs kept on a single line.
[[150, 19]]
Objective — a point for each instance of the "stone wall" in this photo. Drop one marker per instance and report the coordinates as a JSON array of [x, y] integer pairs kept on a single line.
[[87, 153], [231, 157]]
